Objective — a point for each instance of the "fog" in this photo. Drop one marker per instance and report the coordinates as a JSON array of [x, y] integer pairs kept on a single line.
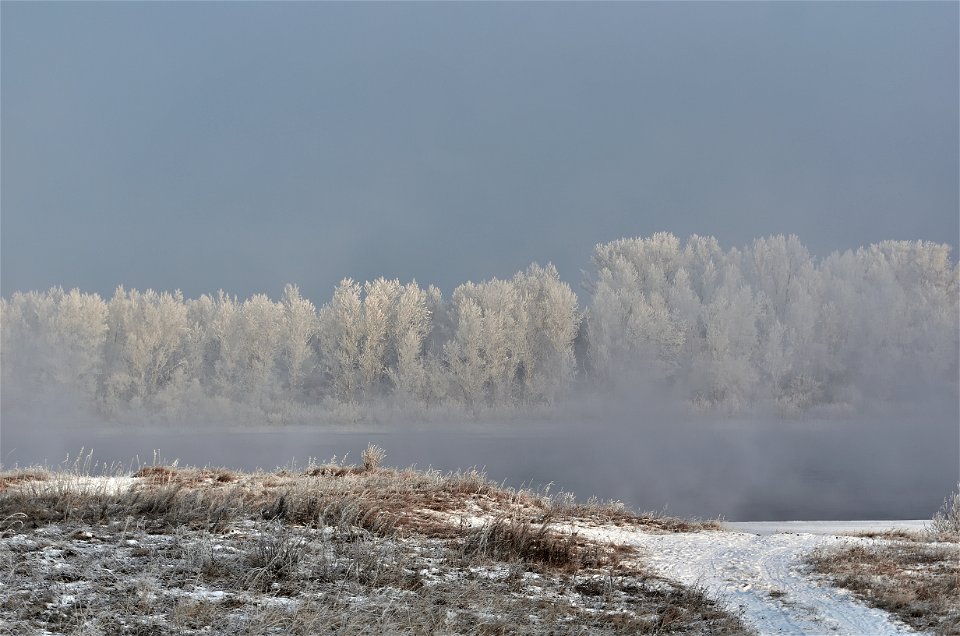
[[756, 383], [892, 465], [454, 166], [247, 145]]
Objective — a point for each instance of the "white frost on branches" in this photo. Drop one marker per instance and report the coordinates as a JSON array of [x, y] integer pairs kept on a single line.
[[765, 326]]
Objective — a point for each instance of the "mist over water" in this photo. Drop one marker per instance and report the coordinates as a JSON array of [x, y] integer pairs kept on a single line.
[[753, 384], [443, 187], [897, 465]]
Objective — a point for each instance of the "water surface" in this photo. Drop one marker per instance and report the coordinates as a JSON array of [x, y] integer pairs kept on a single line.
[[756, 471]]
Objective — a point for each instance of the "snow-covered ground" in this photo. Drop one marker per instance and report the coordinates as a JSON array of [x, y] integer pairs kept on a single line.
[[762, 573], [827, 527], [759, 570], [756, 569], [85, 485]]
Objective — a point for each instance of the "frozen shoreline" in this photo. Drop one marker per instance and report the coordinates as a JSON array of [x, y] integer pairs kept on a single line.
[[833, 528]]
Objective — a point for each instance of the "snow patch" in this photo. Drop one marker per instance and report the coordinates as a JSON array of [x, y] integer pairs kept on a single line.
[[762, 575]]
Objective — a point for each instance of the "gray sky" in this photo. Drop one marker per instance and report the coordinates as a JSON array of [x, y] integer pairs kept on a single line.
[[244, 145]]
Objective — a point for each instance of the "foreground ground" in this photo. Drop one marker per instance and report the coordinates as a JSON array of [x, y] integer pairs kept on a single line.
[[913, 575], [770, 579], [330, 549], [365, 550]]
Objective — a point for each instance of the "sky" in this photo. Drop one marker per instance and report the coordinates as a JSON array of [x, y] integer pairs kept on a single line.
[[242, 146]]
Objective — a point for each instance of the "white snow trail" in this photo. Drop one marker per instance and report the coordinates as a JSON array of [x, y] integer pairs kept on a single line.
[[764, 576]]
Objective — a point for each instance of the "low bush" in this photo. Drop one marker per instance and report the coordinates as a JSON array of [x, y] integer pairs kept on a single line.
[[947, 519]]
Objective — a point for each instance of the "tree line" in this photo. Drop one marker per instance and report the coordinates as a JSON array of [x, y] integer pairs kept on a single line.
[[764, 326]]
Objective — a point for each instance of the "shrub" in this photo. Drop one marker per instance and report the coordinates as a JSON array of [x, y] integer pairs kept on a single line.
[[947, 519]]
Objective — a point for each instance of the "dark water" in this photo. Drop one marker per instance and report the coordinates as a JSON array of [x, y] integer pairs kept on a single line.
[[774, 470]]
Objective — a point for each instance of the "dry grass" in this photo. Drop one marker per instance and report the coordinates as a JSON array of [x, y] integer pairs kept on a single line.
[[374, 498], [514, 540], [185, 476], [929, 535], [18, 477], [913, 574], [372, 456], [333, 548], [917, 580]]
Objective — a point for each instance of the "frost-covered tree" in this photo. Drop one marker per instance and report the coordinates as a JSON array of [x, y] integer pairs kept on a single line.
[[437, 387], [261, 330], [226, 348], [380, 298], [631, 323], [769, 324], [144, 351], [26, 325], [341, 340], [765, 326], [726, 368], [203, 342], [552, 320], [80, 326], [890, 315], [489, 341], [463, 353], [298, 330], [409, 326], [53, 339]]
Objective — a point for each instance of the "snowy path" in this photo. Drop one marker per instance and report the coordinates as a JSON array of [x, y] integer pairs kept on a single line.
[[762, 575]]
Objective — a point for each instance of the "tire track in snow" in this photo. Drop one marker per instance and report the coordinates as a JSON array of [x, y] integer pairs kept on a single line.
[[763, 576]]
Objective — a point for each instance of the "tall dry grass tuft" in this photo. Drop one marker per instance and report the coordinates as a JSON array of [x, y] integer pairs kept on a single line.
[[275, 558], [512, 539], [372, 456]]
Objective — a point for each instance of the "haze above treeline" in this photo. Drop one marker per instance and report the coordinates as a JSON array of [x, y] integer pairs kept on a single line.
[[246, 145], [765, 327]]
